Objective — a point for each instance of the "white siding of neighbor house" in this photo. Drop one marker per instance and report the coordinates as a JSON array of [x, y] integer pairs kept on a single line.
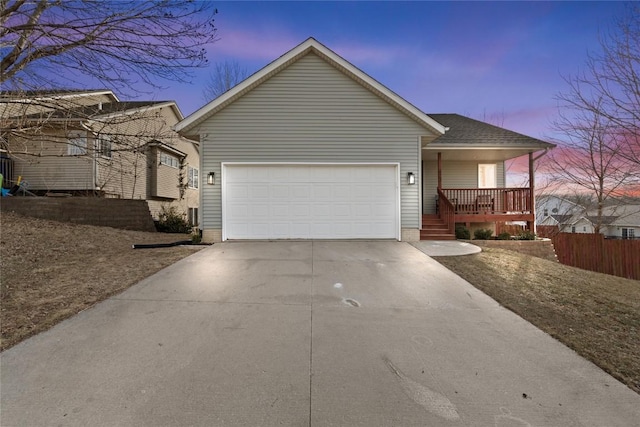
[[616, 230], [455, 174], [310, 112]]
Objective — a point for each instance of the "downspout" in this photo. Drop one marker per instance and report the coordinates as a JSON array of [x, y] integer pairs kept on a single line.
[[94, 162]]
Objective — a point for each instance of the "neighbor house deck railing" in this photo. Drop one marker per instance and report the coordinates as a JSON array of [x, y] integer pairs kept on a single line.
[[486, 200]]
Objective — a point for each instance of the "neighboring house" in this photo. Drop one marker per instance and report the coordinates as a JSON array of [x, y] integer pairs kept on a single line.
[[311, 147], [564, 216], [90, 143], [619, 222], [550, 208]]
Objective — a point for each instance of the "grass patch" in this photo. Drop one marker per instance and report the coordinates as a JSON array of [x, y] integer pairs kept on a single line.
[[595, 314]]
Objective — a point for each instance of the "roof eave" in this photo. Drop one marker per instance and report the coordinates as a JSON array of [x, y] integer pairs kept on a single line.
[[484, 146]]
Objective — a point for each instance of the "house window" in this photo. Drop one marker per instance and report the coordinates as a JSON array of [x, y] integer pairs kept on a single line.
[[193, 217], [192, 176], [546, 212], [104, 146], [169, 160], [584, 228], [77, 145], [487, 175], [628, 233], [573, 229]]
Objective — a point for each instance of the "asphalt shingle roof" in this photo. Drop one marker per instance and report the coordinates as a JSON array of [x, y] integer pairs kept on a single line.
[[464, 130]]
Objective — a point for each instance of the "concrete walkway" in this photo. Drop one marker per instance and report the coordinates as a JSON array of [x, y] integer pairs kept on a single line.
[[446, 247], [304, 334]]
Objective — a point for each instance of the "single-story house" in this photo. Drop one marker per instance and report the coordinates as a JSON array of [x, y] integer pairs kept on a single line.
[[311, 147], [88, 142]]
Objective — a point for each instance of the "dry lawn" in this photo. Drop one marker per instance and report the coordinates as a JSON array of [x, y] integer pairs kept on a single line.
[[595, 314], [50, 271]]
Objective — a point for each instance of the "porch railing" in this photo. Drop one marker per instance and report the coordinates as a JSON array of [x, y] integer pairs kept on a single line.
[[486, 200], [447, 211]]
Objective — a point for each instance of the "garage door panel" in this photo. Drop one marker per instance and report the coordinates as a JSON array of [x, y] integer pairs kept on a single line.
[[321, 192], [258, 210], [342, 192], [302, 230], [342, 210], [310, 201], [258, 191], [300, 211], [239, 210], [320, 211], [301, 192]]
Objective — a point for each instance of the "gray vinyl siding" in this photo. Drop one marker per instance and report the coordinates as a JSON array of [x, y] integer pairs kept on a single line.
[[455, 174], [310, 112]]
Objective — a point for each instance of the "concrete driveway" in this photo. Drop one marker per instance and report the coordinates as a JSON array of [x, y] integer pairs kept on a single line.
[[305, 333]]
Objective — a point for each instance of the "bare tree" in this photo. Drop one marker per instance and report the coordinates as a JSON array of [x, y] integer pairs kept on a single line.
[[45, 43], [223, 77], [609, 86], [588, 160]]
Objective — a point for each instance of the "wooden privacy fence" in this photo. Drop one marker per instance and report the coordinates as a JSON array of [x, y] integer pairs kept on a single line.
[[595, 253]]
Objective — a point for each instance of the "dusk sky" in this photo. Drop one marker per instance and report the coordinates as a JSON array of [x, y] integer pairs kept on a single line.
[[502, 62]]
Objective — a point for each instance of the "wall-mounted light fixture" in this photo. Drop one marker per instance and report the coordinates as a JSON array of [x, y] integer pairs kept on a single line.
[[411, 178], [211, 178]]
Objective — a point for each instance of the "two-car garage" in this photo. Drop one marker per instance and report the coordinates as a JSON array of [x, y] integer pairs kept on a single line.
[[310, 201]]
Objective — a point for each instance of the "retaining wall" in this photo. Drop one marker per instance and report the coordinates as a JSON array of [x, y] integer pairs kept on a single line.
[[116, 213]]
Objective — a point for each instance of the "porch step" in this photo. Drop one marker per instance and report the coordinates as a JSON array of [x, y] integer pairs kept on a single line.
[[433, 228]]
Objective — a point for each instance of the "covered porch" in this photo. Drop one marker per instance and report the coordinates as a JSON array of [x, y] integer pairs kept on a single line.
[[469, 188], [464, 177]]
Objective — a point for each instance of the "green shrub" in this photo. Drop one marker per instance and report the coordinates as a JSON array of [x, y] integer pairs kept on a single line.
[[527, 235], [482, 234], [196, 237], [172, 221], [462, 232], [504, 236]]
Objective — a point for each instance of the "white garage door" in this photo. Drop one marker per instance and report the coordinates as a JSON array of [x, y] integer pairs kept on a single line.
[[307, 201]]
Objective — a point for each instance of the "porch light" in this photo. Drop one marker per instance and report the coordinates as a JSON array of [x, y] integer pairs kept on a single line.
[[211, 178], [411, 178]]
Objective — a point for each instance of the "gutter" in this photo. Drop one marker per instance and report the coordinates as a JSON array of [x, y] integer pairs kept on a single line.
[[94, 163]]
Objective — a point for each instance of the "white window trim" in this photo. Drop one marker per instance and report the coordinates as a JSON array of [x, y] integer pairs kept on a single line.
[[193, 216], [487, 175], [164, 156], [77, 143], [193, 180], [102, 139]]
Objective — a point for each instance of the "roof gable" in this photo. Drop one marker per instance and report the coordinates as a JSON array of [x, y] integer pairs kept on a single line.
[[311, 45]]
